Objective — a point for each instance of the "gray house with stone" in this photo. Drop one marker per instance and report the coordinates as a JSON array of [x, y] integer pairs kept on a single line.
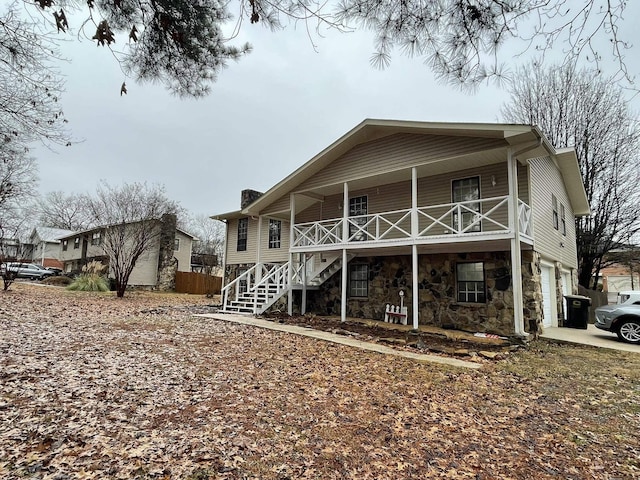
[[473, 223], [170, 251]]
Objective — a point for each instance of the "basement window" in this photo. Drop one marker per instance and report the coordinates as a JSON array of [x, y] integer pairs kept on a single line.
[[470, 282], [359, 280]]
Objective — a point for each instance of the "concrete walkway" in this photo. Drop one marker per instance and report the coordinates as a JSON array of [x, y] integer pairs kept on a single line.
[[591, 336], [340, 339]]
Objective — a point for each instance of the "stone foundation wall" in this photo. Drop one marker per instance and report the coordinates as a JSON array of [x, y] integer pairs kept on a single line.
[[437, 292]]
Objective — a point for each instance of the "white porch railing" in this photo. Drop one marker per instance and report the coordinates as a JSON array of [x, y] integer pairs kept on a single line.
[[474, 217], [257, 288]]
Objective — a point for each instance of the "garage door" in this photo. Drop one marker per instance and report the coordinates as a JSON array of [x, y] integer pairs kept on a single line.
[[546, 295]]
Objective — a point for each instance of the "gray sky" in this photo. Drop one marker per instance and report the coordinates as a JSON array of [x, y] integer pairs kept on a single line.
[[267, 115]]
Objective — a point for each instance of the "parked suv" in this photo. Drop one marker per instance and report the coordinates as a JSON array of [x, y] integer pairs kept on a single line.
[[27, 270], [623, 318]]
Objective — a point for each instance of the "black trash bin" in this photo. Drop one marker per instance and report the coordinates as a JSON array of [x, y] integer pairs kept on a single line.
[[577, 311]]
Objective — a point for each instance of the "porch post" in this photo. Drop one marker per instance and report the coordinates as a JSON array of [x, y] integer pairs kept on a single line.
[[414, 294], [345, 213], [292, 221], [259, 249], [516, 258], [303, 308], [414, 247], [345, 240], [343, 304], [414, 202]]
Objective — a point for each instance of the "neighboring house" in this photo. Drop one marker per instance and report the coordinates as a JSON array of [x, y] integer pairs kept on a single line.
[[474, 223], [43, 246], [10, 249], [618, 278], [156, 267]]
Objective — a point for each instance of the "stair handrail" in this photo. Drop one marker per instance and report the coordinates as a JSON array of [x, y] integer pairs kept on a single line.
[[277, 272], [227, 288]]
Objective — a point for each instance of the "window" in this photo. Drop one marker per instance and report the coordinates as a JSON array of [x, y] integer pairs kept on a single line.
[[275, 229], [554, 204], [358, 280], [243, 226], [466, 190], [76, 242], [470, 282], [357, 208], [65, 244], [176, 244], [563, 221], [96, 238]]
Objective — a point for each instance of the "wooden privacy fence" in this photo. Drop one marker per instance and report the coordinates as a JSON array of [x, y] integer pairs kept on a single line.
[[198, 283]]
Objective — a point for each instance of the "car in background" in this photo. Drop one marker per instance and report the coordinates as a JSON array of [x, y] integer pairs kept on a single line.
[[623, 319], [631, 297], [55, 270], [27, 270]]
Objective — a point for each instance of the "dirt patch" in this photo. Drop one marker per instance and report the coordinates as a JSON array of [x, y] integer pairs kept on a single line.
[[440, 341]]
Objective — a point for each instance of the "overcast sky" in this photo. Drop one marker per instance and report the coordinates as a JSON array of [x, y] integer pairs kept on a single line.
[[267, 115]]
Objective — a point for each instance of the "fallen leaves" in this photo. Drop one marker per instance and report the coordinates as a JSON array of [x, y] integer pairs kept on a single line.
[[98, 387]]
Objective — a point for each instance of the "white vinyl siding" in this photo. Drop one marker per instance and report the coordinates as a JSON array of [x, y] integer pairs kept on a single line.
[[546, 181], [396, 152], [273, 255], [232, 255], [184, 254]]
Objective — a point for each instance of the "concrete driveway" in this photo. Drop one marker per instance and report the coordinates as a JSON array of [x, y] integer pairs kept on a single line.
[[590, 336]]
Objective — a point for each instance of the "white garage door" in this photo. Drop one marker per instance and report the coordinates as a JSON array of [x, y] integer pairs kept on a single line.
[[546, 295]]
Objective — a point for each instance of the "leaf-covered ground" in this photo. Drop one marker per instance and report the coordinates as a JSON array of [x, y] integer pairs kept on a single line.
[[97, 387]]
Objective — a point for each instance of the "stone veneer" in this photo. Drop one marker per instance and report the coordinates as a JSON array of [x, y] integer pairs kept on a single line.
[[167, 263], [437, 292]]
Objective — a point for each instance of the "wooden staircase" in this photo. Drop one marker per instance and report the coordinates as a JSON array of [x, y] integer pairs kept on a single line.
[[262, 285]]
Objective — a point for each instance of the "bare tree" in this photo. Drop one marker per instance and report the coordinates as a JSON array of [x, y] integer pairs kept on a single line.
[[62, 210], [581, 108], [18, 182], [130, 216], [209, 246], [30, 87]]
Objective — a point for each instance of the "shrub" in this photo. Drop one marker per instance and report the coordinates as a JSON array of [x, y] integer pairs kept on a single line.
[[58, 281], [91, 279]]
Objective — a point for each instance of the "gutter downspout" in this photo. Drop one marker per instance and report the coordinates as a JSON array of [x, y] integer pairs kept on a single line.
[[516, 257]]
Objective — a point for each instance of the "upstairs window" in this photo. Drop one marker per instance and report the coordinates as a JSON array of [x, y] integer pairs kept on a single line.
[[466, 190], [176, 244], [96, 238], [554, 206], [76, 243], [470, 282], [243, 227], [358, 209], [563, 221], [275, 232], [65, 244]]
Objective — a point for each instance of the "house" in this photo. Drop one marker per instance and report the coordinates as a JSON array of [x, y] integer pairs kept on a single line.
[[473, 223], [10, 249], [43, 246], [170, 252]]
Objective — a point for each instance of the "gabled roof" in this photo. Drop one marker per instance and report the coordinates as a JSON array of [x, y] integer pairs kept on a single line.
[[50, 234], [514, 135], [102, 227]]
